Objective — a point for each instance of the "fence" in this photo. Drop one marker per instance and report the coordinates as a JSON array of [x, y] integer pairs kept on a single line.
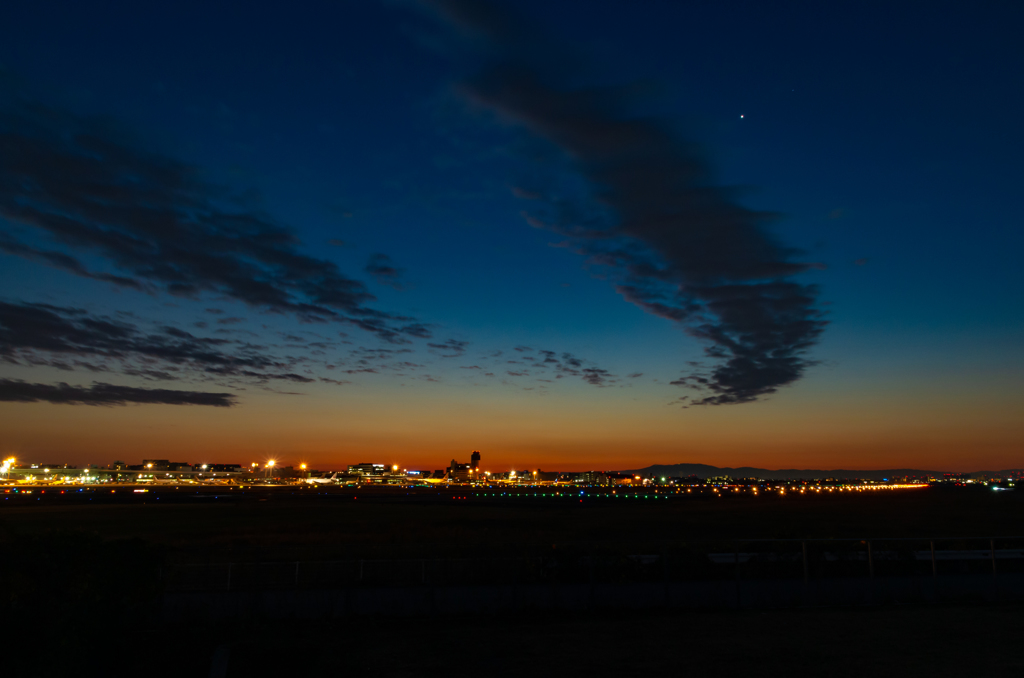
[[750, 573]]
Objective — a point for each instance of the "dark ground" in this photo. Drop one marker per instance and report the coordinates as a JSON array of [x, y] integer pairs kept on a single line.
[[76, 579], [907, 642], [932, 641], [286, 524]]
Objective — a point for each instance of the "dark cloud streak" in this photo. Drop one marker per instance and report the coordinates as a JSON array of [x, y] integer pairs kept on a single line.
[[384, 272], [85, 185], [681, 247], [29, 333], [16, 390], [457, 348]]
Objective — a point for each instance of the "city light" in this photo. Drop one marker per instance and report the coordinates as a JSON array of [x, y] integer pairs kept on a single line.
[[275, 474]]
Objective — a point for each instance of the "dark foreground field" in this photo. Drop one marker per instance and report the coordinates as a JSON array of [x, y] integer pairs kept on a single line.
[[932, 641], [852, 642], [288, 524], [80, 574]]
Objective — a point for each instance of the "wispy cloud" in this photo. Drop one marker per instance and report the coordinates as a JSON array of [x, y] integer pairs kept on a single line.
[[88, 188], [676, 244], [42, 334], [544, 363], [15, 390], [453, 348], [384, 272]]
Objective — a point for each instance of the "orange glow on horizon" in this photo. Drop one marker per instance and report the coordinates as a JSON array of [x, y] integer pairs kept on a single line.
[[524, 433]]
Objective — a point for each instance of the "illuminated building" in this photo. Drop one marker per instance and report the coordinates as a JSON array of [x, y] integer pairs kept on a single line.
[[462, 473], [367, 469]]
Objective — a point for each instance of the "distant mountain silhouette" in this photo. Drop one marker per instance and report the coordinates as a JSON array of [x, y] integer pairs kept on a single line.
[[706, 471]]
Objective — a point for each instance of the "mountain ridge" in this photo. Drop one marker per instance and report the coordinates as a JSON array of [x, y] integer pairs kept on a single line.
[[708, 471]]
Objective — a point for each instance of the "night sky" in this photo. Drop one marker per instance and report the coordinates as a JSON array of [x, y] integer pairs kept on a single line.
[[588, 234]]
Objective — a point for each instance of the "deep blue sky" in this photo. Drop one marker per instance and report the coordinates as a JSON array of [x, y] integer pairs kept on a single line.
[[886, 136]]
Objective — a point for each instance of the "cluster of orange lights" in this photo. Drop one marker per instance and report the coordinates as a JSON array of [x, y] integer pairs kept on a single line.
[[818, 489], [854, 488]]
